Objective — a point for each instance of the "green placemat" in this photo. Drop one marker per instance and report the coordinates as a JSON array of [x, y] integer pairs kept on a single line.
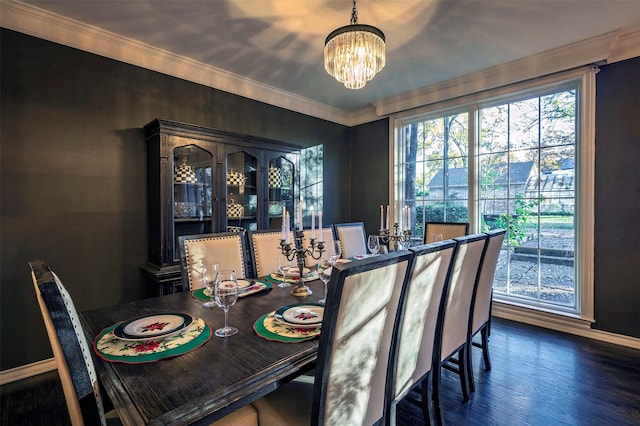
[[106, 345], [261, 330], [258, 287]]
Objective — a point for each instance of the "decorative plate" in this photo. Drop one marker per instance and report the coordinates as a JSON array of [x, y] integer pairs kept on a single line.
[[312, 275], [267, 328], [243, 284], [113, 349], [304, 314], [253, 288], [151, 327]]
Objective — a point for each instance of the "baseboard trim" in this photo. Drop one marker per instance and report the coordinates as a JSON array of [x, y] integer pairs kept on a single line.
[[570, 325], [28, 370]]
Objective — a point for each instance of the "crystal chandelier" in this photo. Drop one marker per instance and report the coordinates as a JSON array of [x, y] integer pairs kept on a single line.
[[353, 54]]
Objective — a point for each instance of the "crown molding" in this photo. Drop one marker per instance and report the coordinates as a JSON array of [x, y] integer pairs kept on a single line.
[[28, 19], [25, 18], [626, 46], [593, 50]]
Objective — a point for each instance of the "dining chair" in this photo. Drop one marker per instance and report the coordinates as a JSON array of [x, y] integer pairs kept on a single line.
[[327, 237], [480, 318], [420, 321], [352, 237], [354, 362], [227, 249], [74, 359], [451, 348], [71, 351], [265, 247], [448, 230]]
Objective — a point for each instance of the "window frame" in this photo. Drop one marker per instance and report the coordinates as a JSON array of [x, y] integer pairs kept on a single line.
[[583, 80]]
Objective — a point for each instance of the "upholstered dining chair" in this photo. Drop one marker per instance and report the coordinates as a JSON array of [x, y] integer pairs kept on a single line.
[[448, 230], [227, 249], [352, 238], [452, 348], [74, 359], [480, 318], [327, 237], [354, 361], [421, 315], [71, 351], [265, 248]]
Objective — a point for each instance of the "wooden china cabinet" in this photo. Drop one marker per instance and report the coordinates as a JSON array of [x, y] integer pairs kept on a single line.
[[202, 180]]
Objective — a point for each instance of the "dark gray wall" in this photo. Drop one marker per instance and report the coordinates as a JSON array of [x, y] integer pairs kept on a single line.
[[370, 172], [617, 198], [73, 173]]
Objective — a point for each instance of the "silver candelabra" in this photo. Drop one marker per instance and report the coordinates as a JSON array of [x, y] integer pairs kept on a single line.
[[299, 252], [395, 237]]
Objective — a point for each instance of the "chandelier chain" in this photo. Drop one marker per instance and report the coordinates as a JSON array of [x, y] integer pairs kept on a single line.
[[354, 14]]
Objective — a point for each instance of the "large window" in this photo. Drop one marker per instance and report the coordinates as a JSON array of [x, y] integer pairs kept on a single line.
[[507, 160], [432, 171]]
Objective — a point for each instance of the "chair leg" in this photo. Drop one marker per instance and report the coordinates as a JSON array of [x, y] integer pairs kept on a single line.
[[427, 401], [435, 394], [464, 385], [472, 385], [485, 346]]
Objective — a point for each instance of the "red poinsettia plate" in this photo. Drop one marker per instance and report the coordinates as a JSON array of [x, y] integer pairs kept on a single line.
[[302, 315], [152, 326]]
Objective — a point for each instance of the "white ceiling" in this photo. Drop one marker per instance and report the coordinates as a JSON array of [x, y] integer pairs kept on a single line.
[[279, 43]]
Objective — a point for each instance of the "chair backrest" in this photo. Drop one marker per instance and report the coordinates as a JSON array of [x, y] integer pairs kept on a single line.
[[421, 313], [70, 348], [227, 249], [481, 306], [265, 248], [461, 286], [327, 234], [448, 230], [358, 331], [352, 238]]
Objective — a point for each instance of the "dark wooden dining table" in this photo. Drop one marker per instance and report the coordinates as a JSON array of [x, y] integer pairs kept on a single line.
[[211, 381]]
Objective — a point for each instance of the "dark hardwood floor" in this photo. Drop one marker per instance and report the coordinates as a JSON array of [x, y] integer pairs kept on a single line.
[[539, 377]]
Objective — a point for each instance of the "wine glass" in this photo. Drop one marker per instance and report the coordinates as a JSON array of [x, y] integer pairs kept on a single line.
[[209, 274], [335, 251], [226, 295], [324, 272], [374, 244], [284, 265]]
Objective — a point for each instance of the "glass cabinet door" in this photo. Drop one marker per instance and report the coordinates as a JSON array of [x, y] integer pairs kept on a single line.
[[242, 191], [281, 180], [192, 192]]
